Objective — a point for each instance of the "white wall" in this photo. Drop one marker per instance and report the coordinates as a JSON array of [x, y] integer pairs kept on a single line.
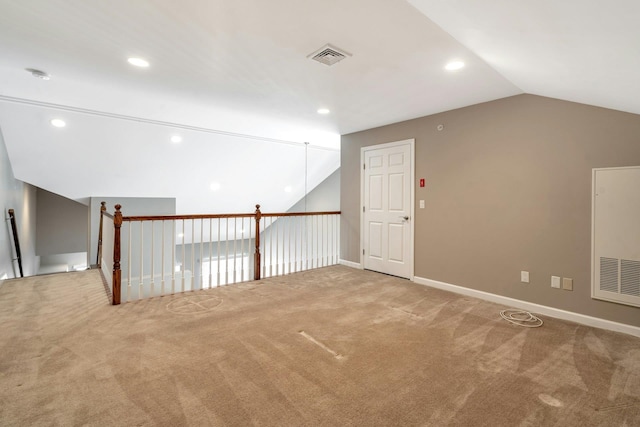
[[21, 197], [324, 197], [131, 206]]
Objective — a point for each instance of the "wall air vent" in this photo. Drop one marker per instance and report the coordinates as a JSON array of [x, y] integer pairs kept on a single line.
[[616, 235], [329, 55]]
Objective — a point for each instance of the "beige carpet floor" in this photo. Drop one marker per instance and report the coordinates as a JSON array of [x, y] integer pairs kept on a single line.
[[329, 347]]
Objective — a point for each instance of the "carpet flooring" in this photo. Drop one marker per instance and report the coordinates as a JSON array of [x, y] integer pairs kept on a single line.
[[329, 347]]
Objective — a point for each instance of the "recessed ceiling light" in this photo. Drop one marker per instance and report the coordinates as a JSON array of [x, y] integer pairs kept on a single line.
[[138, 62], [176, 139], [454, 66], [58, 123], [38, 73], [215, 186], [323, 111], [288, 189]]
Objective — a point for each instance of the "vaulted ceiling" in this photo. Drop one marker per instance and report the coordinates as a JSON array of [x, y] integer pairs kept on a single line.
[[234, 80]]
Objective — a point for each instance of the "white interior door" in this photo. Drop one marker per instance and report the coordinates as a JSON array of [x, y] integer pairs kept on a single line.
[[387, 200]]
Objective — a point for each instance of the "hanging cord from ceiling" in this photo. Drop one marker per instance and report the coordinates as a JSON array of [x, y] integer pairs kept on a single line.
[[521, 318], [306, 172]]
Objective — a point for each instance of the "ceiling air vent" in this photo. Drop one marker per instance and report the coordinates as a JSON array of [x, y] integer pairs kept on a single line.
[[329, 55]]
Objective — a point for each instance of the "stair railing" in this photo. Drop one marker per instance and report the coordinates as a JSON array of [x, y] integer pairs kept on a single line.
[[16, 240], [162, 255], [103, 210]]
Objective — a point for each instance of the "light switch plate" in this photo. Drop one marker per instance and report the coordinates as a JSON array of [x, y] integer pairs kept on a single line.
[[421, 204], [524, 276], [555, 282], [567, 284]]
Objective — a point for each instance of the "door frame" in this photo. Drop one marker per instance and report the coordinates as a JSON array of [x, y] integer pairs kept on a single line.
[[412, 209]]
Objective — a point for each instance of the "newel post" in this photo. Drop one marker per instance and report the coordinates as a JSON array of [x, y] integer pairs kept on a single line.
[[103, 209], [256, 261], [117, 274]]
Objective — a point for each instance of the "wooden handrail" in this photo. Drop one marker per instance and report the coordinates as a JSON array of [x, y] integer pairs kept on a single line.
[[185, 217], [221, 216], [16, 241], [301, 213]]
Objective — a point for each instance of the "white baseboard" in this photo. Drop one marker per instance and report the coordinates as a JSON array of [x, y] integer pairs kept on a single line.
[[350, 264], [534, 308]]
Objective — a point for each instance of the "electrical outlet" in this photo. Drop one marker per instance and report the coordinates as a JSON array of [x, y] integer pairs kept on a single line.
[[524, 276], [555, 282], [567, 284]]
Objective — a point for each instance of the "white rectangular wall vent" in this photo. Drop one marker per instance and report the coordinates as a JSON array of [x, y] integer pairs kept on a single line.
[[630, 277], [328, 55], [609, 274], [616, 235]]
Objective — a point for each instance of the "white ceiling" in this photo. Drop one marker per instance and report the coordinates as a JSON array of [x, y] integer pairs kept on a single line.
[[233, 79]]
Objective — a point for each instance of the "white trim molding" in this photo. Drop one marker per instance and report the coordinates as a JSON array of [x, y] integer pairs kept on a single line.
[[350, 264], [532, 307]]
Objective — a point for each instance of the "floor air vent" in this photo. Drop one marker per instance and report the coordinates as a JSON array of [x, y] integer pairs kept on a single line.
[[328, 55]]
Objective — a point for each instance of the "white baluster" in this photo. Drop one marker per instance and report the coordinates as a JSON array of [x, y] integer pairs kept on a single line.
[[276, 232], [129, 263], [201, 253], [210, 249], [218, 262], [183, 266], [151, 287], [162, 265], [173, 257], [242, 279], [193, 255], [235, 250], [226, 260]]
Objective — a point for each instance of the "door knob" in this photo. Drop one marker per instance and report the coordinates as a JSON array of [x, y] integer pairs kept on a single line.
[[406, 218]]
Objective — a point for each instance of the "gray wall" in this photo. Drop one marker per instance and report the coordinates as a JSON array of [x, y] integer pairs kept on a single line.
[[21, 197], [61, 225], [131, 206], [325, 197], [508, 188]]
